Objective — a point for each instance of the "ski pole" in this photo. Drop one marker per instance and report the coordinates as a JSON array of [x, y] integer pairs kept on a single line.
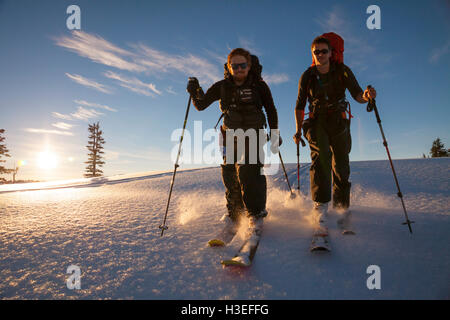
[[371, 106], [285, 174], [163, 226], [298, 167]]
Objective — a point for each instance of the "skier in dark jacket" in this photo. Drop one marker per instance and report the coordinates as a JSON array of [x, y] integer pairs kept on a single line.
[[242, 94], [328, 129]]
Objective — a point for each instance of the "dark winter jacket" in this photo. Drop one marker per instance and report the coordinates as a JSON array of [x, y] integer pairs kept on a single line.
[[241, 105], [328, 89]]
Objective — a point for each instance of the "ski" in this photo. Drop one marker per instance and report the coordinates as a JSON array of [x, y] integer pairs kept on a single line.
[[225, 236], [244, 257], [320, 240], [344, 223]]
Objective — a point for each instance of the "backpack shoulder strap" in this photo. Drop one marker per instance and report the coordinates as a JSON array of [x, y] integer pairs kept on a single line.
[[309, 80], [341, 73], [257, 85]]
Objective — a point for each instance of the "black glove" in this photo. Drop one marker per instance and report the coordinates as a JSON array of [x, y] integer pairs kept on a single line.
[[193, 86]]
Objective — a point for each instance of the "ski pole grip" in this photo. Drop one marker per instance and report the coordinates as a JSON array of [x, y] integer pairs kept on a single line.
[[371, 103]]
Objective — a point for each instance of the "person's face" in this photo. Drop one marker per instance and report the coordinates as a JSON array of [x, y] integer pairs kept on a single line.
[[239, 67], [320, 57]]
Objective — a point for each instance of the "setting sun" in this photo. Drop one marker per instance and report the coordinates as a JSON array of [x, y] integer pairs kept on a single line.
[[47, 160]]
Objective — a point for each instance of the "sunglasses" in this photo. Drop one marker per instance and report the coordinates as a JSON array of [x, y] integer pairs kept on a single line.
[[235, 66], [317, 52]]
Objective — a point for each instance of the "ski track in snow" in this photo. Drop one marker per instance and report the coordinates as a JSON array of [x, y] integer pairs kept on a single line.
[[109, 228]]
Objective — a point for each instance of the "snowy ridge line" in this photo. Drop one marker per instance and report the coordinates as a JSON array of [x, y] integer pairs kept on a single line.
[[90, 182], [427, 169]]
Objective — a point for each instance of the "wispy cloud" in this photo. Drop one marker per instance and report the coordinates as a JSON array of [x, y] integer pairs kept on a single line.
[[438, 53], [88, 83], [162, 62], [46, 131], [170, 90], [334, 21], [61, 116], [82, 113], [141, 58], [219, 58], [134, 84], [62, 125], [276, 78], [95, 105], [99, 50], [249, 45], [85, 114]]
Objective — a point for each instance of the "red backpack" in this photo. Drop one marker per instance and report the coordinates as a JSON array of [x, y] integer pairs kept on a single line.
[[337, 44], [337, 56]]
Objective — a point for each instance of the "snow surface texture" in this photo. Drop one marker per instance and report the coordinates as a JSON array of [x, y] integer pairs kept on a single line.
[[109, 228]]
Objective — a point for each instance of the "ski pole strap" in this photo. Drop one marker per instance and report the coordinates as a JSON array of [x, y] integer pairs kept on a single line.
[[302, 142], [217, 123], [349, 111], [370, 106]]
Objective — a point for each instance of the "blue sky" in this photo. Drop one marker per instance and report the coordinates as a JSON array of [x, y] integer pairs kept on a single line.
[[128, 66]]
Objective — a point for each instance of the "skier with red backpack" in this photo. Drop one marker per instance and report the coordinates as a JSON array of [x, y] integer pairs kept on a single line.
[[328, 127]]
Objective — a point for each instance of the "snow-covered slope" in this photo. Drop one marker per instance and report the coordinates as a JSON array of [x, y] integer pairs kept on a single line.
[[109, 228]]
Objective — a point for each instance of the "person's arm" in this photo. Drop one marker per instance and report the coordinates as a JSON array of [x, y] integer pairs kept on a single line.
[[269, 106], [299, 116], [300, 106], [355, 90], [200, 99], [272, 117]]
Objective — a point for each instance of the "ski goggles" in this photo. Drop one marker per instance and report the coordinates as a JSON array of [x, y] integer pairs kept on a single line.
[[235, 66], [317, 52]]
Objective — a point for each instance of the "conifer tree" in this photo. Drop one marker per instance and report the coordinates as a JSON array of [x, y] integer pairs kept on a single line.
[[438, 150], [95, 147], [3, 153]]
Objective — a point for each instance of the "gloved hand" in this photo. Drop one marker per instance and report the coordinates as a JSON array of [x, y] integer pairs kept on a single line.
[[369, 93], [281, 141], [192, 86], [298, 138]]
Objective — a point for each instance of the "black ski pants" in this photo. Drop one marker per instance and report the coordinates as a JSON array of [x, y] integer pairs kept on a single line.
[[329, 139], [245, 185]]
